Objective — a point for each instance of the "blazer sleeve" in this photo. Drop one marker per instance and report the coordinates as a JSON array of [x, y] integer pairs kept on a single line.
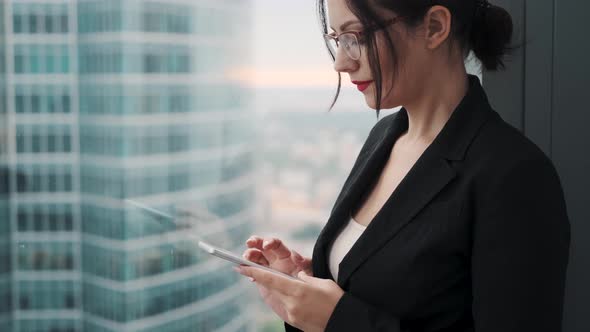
[[352, 314], [520, 250]]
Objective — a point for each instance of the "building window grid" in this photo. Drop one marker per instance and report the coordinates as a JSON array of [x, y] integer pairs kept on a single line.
[[98, 99], [45, 256], [120, 265], [40, 18], [125, 307], [151, 140], [115, 16], [39, 178], [43, 295], [34, 59], [47, 325], [116, 57], [45, 217], [43, 138], [39, 23]]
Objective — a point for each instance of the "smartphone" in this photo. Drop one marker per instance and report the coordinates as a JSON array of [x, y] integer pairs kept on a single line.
[[229, 256], [170, 220]]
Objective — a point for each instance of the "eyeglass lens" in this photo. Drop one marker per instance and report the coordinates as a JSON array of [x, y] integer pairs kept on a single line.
[[350, 44]]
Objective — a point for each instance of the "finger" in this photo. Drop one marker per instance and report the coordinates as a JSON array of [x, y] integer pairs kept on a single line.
[[254, 241], [301, 262], [256, 256], [298, 259], [269, 280], [237, 269], [305, 277], [277, 247]]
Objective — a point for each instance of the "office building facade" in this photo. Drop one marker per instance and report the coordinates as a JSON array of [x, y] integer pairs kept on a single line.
[[105, 101]]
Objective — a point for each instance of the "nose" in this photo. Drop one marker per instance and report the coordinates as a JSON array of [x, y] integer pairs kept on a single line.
[[343, 63]]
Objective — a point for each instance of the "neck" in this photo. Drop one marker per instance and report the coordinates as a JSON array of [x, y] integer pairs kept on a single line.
[[442, 93]]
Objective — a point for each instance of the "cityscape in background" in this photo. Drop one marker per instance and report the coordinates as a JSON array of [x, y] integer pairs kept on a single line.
[[305, 154]]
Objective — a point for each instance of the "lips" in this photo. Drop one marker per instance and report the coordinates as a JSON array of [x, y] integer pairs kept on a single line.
[[362, 85]]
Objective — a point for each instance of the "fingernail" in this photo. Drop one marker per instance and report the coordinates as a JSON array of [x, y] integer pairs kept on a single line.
[[251, 279], [264, 244]]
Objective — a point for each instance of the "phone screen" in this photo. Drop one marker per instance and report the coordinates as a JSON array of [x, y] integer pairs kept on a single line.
[[229, 256]]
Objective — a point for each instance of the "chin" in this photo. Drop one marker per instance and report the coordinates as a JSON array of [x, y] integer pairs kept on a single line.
[[387, 102], [371, 105], [384, 104]]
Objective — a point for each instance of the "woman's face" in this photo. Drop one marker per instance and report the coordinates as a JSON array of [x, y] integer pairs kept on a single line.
[[411, 56]]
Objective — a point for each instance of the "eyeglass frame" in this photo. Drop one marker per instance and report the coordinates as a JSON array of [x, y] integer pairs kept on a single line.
[[358, 34]]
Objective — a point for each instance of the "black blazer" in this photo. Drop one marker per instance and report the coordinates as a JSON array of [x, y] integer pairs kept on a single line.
[[474, 238]]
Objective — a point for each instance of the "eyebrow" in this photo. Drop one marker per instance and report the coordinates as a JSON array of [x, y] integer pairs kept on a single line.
[[345, 24]]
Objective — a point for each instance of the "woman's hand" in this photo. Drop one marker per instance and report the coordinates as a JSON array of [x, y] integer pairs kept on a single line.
[[306, 304], [273, 253]]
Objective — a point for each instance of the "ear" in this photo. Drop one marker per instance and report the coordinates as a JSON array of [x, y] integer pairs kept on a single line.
[[438, 26]]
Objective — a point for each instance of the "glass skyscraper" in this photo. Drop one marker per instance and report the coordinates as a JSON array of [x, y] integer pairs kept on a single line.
[[102, 101]]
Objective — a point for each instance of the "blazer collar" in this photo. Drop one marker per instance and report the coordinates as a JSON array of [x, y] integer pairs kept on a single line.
[[465, 121], [429, 175]]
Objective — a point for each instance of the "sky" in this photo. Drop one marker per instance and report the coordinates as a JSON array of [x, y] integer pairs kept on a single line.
[[288, 45], [289, 48]]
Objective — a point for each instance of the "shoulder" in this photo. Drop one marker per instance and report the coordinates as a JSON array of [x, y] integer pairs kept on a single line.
[[501, 153], [499, 145]]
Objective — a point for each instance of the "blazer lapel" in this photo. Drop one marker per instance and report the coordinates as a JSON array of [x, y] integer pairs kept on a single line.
[[354, 187], [429, 175]]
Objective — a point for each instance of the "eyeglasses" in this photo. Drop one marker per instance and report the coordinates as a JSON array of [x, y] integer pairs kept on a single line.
[[352, 40]]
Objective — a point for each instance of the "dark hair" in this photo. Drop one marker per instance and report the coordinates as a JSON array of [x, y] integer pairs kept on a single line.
[[476, 25]]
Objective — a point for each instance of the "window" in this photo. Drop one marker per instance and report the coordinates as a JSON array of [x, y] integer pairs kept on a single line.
[[65, 103], [32, 23], [17, 23], [63, 23], [20, 103], [48, 20], [24, 302], [19, 63]]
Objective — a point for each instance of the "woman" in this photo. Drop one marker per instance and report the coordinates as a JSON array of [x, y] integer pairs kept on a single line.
[[451, 219]]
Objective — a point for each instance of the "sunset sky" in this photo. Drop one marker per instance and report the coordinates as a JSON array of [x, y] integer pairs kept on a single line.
[[288, 46]]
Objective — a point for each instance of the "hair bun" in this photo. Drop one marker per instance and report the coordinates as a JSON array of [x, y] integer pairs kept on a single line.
[[491, 34]]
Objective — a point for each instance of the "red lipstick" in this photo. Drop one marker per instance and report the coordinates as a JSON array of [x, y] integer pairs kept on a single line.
[[362, 85]]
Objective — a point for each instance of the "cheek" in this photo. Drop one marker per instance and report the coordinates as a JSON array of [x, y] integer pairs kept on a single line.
[[410, 70], [393, 66], [399, 78]]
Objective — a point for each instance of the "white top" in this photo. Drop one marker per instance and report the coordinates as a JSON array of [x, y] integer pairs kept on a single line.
[[342, 244]]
